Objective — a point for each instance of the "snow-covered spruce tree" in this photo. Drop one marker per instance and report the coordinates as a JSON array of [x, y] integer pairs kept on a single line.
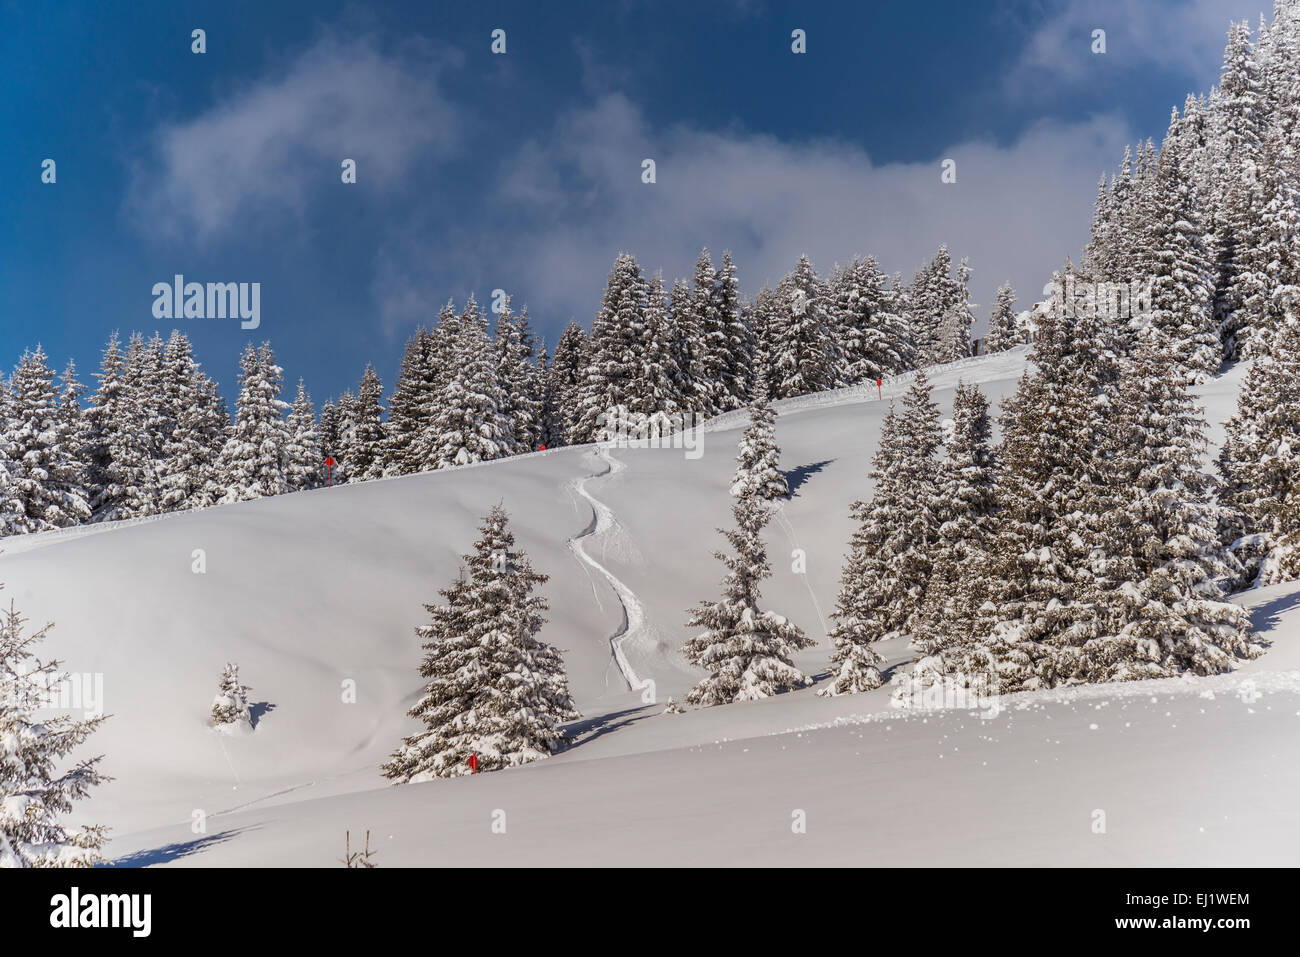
[[1042, 554], [516, 358], [615, 378], [411, 406], [1260, 464], [191, 452], [965, 499], [549, 428], [345, 437], [864, 588], [305, 462], [1097, 255], [760, 313], [1004, 332], [746, 651], [567, 375], [145, 376], [1163, 600], [953, 334], [328, 434], [121, 471], [1172, 256], [1268, 276], [76, 427], [688, 349], [470, 424], [876, 341], [13, 518], [890, 559], [230, 704], [708, 343], [734, 345], [254, 462], [758, 474], [33, 794], [934, 308], [802, 355], [493, 688], [1236, 132], [660, 395], [45, 470], [368, 435]]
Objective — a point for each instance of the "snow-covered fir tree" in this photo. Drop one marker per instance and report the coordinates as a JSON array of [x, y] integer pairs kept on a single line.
[[45, 471], [965, 499], [935, 314], [747, 651], [1172, 255], [953, 333], [802, 354], [615, 377], [254, 462], [305, 462], [493, 688], [470, 423], [659, 394], [1004, 331], [758, 474], [1162, 594], [37, 787], [877, 341], [550, 430], [328, 431], [516, 358], [859, 622], [121, 471], [230, 706], [732, 340], [1050, 493], [410, 409], [567, 375], [189, 475], [688, 349], [884, 580], [345, 438], [76, 426], [1260, 464], [368, 434]]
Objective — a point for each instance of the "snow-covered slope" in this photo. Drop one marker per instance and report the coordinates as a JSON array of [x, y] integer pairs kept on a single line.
[[310, 591]]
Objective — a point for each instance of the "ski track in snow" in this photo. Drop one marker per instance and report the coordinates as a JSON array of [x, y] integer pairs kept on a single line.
[[633, 611]]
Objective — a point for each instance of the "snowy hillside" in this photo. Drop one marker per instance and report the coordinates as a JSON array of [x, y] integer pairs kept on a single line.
[[313, 590]]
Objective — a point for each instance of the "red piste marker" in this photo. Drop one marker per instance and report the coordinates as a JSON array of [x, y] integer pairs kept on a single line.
[[879, 392], [473, 764], [329, 471], [541, 448]]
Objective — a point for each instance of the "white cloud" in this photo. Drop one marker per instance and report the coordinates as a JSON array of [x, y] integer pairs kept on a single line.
[[1016, 211], [1186, 37], [265, 148]]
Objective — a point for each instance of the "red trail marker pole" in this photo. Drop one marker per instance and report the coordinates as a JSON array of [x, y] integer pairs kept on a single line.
[[473, 764], [329, 471], [879, 392]]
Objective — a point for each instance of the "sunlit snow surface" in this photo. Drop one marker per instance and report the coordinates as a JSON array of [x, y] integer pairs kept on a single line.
[[311, 591]]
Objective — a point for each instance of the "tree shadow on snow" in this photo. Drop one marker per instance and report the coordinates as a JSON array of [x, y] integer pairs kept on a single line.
[[1268, 616], [589, 729], [796, 477], [256, 711], [172, 852]]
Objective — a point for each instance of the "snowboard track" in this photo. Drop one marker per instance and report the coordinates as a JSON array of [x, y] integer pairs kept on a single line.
[[603, 521]]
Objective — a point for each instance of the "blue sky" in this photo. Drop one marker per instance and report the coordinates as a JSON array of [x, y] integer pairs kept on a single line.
[[522, 172]]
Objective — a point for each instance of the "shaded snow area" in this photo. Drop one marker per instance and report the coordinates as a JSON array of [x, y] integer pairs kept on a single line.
[[315, 591]]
